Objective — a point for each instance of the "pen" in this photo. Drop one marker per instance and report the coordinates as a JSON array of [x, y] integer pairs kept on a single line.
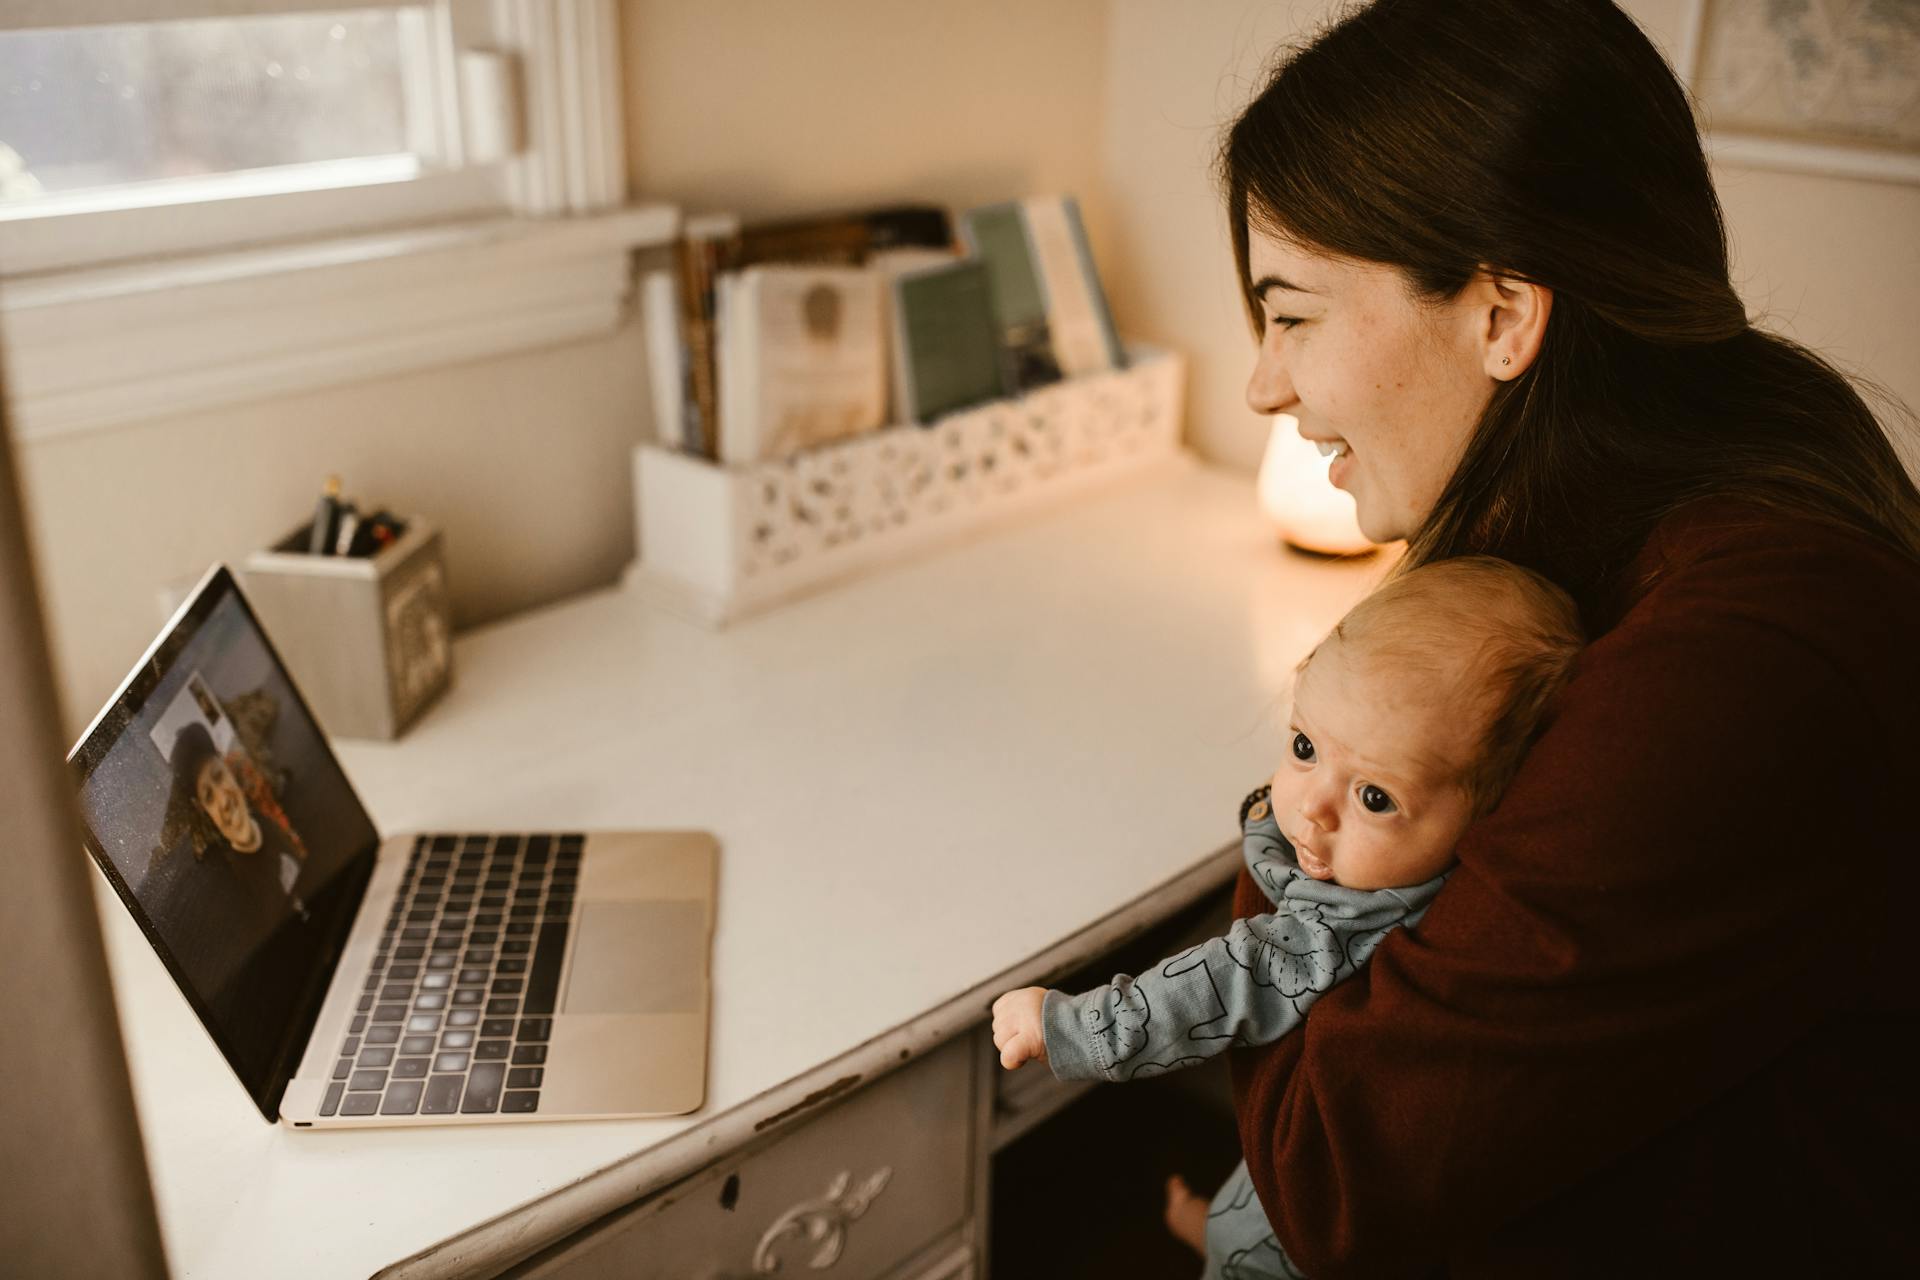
[[326, 517]]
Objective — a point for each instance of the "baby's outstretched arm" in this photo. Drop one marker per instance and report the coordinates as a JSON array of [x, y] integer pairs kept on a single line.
[[1017, 1032]]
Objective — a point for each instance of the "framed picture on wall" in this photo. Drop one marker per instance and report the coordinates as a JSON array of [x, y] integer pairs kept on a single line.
[[1817, 86]]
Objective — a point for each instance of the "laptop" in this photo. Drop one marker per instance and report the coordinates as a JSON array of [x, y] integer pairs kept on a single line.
[[355, 980]]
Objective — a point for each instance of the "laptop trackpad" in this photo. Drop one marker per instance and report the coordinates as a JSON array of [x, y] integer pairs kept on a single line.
[[638, 957]]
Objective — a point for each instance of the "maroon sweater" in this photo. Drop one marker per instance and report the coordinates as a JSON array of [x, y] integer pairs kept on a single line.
[[1661, 1019]]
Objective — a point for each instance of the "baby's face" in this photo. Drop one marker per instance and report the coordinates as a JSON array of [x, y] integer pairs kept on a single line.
[[1369, 793]]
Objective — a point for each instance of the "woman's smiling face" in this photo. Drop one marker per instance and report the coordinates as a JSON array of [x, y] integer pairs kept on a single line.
[[1398, 382]]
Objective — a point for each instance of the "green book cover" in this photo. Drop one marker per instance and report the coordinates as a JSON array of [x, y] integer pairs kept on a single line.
[[945, 340]]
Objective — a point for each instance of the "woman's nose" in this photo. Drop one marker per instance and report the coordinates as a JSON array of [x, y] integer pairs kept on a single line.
[[1270, 388]]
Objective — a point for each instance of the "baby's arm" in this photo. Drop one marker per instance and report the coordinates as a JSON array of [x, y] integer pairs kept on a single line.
[[1250, 987]]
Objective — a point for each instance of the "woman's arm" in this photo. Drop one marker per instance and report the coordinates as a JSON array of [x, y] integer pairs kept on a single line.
[[1699, 866]]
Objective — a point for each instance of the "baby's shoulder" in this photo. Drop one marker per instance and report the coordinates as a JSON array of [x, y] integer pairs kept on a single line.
[[1257, 796]]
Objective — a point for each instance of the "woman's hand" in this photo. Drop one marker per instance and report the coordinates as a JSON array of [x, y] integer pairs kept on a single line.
[[1016, 1026]]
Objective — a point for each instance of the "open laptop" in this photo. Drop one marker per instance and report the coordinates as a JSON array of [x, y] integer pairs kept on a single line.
[[436, 978]]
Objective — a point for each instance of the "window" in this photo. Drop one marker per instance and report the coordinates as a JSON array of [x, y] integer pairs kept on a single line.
[[125, 140], [446, 181]]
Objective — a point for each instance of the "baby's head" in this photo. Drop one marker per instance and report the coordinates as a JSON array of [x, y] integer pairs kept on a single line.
[[1412, 715]]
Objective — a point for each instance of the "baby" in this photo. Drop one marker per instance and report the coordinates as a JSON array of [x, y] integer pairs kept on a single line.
[[1408, 720]]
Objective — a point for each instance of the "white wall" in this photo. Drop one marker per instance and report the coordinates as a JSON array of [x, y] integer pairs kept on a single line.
[[1832, 262]]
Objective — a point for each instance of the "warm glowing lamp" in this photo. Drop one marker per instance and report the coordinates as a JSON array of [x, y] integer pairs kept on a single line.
[[1294, 492]]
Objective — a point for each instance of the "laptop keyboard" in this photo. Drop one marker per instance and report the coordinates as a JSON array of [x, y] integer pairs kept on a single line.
[[458, 1007]]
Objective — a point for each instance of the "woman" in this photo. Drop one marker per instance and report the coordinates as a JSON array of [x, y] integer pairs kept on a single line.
[[1656, 1021]]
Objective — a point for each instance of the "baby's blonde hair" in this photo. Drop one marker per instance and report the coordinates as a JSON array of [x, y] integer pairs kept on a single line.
[[1495, 635]]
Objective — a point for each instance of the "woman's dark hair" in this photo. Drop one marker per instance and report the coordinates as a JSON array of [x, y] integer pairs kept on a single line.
[[1548, 141]]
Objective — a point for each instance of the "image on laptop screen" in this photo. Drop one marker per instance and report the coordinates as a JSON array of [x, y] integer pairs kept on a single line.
[[210, 797]]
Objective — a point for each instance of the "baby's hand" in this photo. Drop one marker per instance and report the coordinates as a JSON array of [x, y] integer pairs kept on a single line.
[[1016, 1026]]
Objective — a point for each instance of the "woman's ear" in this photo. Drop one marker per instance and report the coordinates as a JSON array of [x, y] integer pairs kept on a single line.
[[1510, 319]]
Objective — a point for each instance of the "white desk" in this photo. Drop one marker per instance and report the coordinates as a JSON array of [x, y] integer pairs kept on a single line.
[[926, 785]]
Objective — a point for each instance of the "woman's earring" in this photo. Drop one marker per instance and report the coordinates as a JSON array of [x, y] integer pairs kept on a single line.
[[1506, 360]]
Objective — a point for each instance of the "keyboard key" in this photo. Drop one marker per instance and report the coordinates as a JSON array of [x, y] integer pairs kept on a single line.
[[403, 972], [442, 1096], [516, 929], [473, 977], [493, 903], [543, 983], [517, 946], [372, 983], [452, 1062], [529, 1054], [351, 1047], [396, 991], [503, 1006], [410, 1068], [468, 996], [343, 1068], [366, 1002], [439, 981], [492, 1050], [442, 960], [413, 933], [511, 964], [417, 1044], [403, 1098], [478, 955], [486, 920], [389, 1012], [483, 1088], [456, 1040], [382, 1057], [331, 1103], [507, 845], [430, 1000], [497, 1027], [525, 1077], [358, 1024], [384, 1033], [424, 1022], [523, 912], [360, 1104], [506, 986], [368, 1080], [445, 942]]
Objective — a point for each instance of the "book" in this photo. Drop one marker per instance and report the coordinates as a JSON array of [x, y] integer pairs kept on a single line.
[[802, 359], [666, 355], [698, 259], [1048, 301], [716, 243], [946, 347], [890, 264]]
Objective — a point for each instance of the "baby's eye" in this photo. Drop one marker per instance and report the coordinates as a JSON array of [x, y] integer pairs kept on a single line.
[[1302, 748], [1375, 800]]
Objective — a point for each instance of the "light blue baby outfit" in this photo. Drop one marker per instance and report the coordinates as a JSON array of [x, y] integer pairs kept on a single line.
[[1250, 987]]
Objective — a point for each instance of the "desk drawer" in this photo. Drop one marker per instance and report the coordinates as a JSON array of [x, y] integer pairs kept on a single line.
[[880, 1176]]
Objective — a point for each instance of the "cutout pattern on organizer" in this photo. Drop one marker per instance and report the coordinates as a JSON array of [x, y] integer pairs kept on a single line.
[[887, 483]]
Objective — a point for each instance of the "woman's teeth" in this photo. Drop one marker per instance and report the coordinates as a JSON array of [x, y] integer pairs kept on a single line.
[[1331, 448]]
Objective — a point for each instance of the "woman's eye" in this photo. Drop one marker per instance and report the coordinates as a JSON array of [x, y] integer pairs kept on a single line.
[[1374, 800], [1284, 322], [1302, 748]]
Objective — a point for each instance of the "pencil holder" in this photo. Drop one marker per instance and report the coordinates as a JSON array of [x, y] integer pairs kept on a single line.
[[719, 543], [367, 638]]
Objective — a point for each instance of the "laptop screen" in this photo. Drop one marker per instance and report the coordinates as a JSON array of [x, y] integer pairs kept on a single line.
[[211, 800]]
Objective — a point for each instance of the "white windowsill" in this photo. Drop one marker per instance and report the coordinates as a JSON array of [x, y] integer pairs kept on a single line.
[[112, 346]]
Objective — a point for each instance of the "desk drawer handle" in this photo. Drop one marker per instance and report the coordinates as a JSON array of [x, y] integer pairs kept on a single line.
[[822, 1221]]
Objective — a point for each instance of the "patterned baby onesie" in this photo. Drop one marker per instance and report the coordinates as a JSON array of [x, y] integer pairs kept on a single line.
[[1250, 987]]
